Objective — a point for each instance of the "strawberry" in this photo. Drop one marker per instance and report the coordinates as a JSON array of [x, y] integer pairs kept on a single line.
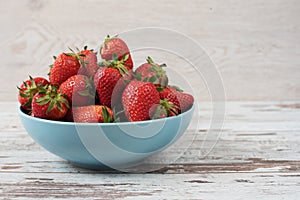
[[138, 98], [78, 89], [69, 116], [111, 79], [64, 66], [28, 89], [170, 107], [92, 114], [158, 111], [50, 104], [119, 113], [152, 72], [118, 47], [88, 60], [164, 109], [182, 100]]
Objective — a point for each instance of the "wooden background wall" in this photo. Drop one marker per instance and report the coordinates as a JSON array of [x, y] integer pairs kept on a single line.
[[255, 44]]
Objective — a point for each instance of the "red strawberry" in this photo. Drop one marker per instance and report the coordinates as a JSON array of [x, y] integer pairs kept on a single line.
[[165, 108], [119, 114], [158, 111], [171, 108], [49, 105], [78, 89], [152, 72], [111, 79], [69, 116], [92, 114], [65, 66], [138, 98], [88, 60], [118, 47], [28, 89], [182, 100]]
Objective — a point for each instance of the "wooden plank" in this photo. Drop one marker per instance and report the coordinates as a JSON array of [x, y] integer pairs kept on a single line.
[[151, 186], [252, 158], [255, 44], [244, 140]]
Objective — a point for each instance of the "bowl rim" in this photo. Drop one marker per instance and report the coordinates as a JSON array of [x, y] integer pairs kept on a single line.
[[21, 113]]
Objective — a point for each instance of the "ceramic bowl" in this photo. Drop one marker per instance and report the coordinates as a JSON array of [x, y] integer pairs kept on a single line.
[[106, 145]]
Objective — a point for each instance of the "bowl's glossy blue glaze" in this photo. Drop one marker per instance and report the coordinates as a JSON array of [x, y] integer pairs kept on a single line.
[[103, 145]]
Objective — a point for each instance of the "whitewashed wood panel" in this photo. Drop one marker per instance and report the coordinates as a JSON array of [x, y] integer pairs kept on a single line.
[[255, 44], [151, 186], [252, 159]]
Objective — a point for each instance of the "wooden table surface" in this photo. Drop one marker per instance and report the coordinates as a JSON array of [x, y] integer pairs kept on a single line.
[[257, 156]]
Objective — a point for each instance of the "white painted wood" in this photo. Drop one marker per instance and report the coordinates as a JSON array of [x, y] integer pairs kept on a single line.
[[256, 156], [152, 186], [255, 44]]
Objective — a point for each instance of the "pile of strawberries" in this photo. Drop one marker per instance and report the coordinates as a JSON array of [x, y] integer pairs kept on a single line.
[[82, 90]]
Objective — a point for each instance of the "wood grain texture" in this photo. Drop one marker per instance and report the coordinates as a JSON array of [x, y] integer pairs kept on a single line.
[[255, 44], [253, 158]]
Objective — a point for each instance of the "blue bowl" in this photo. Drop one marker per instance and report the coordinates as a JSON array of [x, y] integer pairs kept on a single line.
[[106, 145]]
